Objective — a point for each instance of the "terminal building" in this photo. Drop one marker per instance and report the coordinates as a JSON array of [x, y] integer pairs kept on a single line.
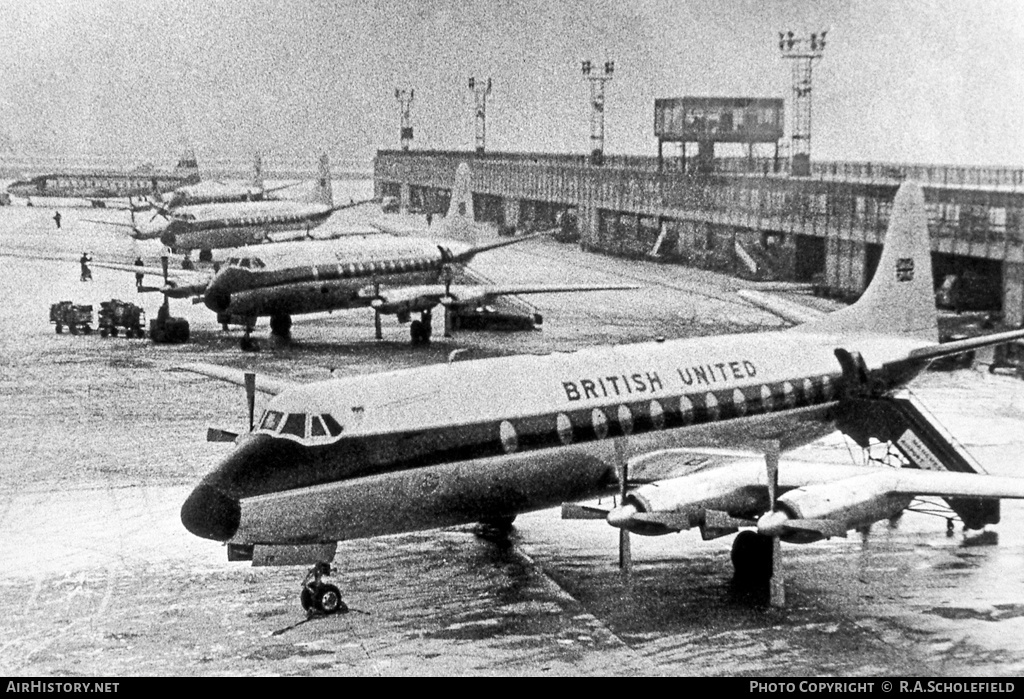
[[760, 216]]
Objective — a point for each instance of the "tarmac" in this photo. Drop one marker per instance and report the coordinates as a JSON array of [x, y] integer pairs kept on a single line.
[[102, 443]]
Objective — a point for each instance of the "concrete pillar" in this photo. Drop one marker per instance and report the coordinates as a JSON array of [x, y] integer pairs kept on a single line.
[[844, 266], [403, 198], [1013, 293], [510, 211], [588, 226]]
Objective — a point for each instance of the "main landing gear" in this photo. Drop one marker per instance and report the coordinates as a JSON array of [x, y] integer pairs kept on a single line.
[[752, 559], [247, 344], [281, 325], [319, 597], [420, 330]]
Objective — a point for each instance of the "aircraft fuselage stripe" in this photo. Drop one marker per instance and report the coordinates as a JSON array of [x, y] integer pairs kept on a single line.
[[641, 413]]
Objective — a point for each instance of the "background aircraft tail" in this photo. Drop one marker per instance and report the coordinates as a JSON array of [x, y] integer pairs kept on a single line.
[[900, 300], [187, 164], [459, 221], [324, 193], [257, 175]]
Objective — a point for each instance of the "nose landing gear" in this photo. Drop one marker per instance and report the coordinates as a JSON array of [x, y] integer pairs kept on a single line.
[[318, 597]]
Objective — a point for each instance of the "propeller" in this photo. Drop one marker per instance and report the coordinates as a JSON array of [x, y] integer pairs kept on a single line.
[[625, 551], [777, 589], [376, 312], [216, 434]]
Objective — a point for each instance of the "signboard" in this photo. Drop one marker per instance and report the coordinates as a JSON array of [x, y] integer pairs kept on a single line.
[[719, 119]]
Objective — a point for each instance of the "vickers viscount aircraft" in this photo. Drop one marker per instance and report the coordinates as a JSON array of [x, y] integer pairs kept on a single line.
[[215, 193], [100, 186], [215, 226], [393, 275], [485, 440]]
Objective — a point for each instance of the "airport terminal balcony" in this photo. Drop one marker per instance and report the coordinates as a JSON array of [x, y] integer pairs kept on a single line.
[[747, 216]]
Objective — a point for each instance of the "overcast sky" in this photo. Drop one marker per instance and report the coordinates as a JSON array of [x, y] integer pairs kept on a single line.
[[900, 80]]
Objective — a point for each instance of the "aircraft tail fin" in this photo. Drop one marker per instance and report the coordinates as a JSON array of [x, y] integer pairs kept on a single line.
[[900, 300], [257, 175], [324, 192], [187, 165], [459, 222]]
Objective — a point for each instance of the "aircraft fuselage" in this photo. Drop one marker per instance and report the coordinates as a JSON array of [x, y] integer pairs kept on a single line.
[[247, 229], [328, 458]]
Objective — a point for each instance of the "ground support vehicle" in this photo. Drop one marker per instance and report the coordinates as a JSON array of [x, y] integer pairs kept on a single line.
[[115, 315], [77, 319]]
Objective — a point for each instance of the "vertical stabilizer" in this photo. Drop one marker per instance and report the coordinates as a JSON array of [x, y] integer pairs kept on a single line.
[[187, 166], [459, 221], [900, 300], [324, 193], [257, 175]]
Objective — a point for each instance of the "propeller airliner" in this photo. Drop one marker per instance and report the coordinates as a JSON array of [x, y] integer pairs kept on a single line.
[[485, 440]]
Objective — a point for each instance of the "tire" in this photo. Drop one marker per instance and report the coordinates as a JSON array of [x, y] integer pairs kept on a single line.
[[328, 600], [113, 331], [87, 330], [206, 255], [103, 332], [416, 332], [752, 558], [73, 329], [59, 328], [306, 598]]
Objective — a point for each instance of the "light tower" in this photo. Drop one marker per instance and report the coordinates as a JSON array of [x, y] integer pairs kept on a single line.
[[597, 81], [480, 92], [803, 53], [404, 98]]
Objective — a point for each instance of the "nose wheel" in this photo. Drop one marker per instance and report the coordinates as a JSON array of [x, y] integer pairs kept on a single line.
[[318, 597]]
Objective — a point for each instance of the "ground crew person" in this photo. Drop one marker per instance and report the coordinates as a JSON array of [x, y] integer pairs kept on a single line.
[[139, 275], [86, 272], [56, 219]]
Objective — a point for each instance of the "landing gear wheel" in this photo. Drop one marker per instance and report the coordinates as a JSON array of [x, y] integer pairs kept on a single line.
[[328, 600], [113, 332], [752, 558], [60, 329], [306, 598], [416, 332], [249, 345], [281, 325], [206, 255]]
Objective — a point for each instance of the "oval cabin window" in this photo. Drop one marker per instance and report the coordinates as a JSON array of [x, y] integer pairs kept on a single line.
[[509, 438], [600, 422], [625, 418], [564, 427]]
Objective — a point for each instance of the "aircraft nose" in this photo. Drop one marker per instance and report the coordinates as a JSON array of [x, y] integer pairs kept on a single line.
[[168, 238], [210, 514]]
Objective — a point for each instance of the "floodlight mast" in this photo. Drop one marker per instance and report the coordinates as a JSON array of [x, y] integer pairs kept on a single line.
[[803, 52], [405, 98], [597, 81], [480, 91]]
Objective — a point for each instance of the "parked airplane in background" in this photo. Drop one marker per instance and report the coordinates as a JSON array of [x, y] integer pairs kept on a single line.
[[214, 226], [394, 275], [99, 186], [484, 440], [211, 192]]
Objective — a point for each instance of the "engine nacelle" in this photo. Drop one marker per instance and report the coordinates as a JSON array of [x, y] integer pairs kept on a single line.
[[850, 503]]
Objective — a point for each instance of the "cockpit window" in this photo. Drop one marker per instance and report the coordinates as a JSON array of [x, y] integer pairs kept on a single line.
[[316, 427], [271, 421], [295, 424], [332, 425]]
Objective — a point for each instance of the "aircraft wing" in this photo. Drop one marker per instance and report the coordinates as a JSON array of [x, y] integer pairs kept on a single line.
[[720, 493], [264, 383], [180, 283], [421, 298], [787, 310]]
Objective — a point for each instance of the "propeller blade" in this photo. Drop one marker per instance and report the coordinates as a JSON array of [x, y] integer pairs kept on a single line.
[[625, 550], [572, 510], [215, 434], [250, 397]]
